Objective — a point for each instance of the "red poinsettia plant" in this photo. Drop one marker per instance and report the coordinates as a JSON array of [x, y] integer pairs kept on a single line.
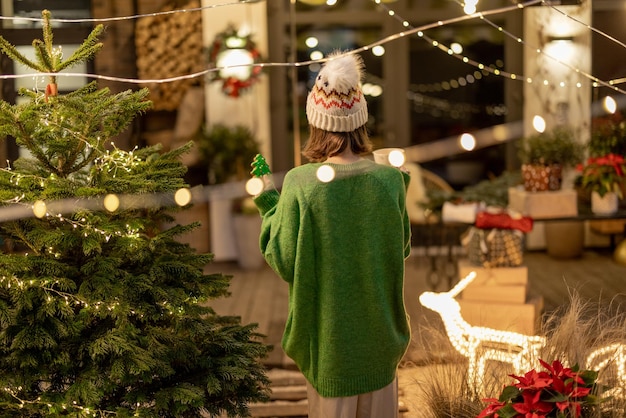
[[603, 174], [557, 392]]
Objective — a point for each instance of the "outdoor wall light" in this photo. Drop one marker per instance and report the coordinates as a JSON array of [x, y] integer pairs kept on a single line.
[[313, 2], [561, 38], [560, 47]]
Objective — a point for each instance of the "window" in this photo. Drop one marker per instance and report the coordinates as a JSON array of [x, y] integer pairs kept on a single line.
[[60, 9]]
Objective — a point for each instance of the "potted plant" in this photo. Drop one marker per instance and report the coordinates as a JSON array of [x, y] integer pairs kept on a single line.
[[544, 155], [604, 177], [227, 152], [608, 136]]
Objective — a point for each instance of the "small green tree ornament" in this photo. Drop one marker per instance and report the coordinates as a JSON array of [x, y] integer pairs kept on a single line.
[[260, 167]]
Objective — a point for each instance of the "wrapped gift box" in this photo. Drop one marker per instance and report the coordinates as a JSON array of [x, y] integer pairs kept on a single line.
[[494, 247], [544, 205], [495, 293], [501, 276], [462, 213], [524, 318], [497, 284]]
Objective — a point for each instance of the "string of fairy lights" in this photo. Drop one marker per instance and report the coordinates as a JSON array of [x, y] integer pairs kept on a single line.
[[185, 196], [419, 31], [130, 17], [491, 69], [207, 71]]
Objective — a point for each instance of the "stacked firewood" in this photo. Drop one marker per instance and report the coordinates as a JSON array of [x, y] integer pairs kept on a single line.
[[170, 45]]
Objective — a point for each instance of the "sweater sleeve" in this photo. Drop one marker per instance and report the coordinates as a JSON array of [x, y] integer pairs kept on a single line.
[[279, 231]]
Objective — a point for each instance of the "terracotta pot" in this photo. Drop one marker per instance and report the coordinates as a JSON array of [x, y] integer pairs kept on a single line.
[[557, 246], [541, 178]]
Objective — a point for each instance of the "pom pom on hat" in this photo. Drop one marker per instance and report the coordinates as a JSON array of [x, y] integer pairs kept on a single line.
[[336, 102]]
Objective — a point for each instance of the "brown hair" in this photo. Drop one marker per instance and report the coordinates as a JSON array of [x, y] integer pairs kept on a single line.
[[323, 144]]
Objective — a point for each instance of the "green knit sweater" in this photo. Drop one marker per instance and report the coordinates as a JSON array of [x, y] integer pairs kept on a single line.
[[341, 246]]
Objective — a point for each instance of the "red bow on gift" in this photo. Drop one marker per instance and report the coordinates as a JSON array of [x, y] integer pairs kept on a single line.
[[503, 220]]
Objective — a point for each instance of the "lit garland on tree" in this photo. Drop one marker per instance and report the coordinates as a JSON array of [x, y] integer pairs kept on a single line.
[[103, 312], [237, 54]]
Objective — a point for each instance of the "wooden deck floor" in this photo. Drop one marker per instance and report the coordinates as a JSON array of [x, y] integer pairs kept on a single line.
[[261, 297]]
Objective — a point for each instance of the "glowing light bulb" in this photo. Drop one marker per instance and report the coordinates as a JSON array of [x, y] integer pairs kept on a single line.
[[325, 173], [609, 104], [469, 9], [316, 55], [396, 157], [182, 197], [111, 202], [311, 42], [40, 209], [254, 186], [378, 50], [468, 142]]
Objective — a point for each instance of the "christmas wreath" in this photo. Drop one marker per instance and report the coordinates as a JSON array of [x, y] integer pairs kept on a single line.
[[235, 50]]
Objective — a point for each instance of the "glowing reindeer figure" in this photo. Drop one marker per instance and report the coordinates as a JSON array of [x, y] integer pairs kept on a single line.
[[480, 344], [610, 360]]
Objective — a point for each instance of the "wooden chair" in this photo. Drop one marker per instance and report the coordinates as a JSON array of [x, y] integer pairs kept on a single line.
[[434, 182], [422, 182]]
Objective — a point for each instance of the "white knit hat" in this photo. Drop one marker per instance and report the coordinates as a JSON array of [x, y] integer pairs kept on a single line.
[[336, 102]]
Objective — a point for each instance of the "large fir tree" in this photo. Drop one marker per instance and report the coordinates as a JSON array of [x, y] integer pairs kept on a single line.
[[104, 313]]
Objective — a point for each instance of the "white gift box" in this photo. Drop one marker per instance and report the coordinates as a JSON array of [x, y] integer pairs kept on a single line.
[[462, 212]]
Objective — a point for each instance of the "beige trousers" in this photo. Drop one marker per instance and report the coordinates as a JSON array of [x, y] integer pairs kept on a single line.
[[382, 403]]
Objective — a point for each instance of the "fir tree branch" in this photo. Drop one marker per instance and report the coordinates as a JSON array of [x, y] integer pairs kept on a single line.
[[34, 149], [44, 56], [86, 50], [15, 55], [47, 30]]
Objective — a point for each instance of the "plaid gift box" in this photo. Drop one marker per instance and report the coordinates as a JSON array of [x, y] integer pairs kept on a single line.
[[494, 247]]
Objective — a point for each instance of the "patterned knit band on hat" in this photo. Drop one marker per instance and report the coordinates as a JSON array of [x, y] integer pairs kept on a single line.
[[336, 102]]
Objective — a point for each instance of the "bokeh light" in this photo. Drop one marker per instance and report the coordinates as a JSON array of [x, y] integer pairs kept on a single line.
[[396, 158], [539, 124], [39, 208], [182, 197], [325, 173], [609, 104], [111, 202], [254, 186], [468, 142]]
